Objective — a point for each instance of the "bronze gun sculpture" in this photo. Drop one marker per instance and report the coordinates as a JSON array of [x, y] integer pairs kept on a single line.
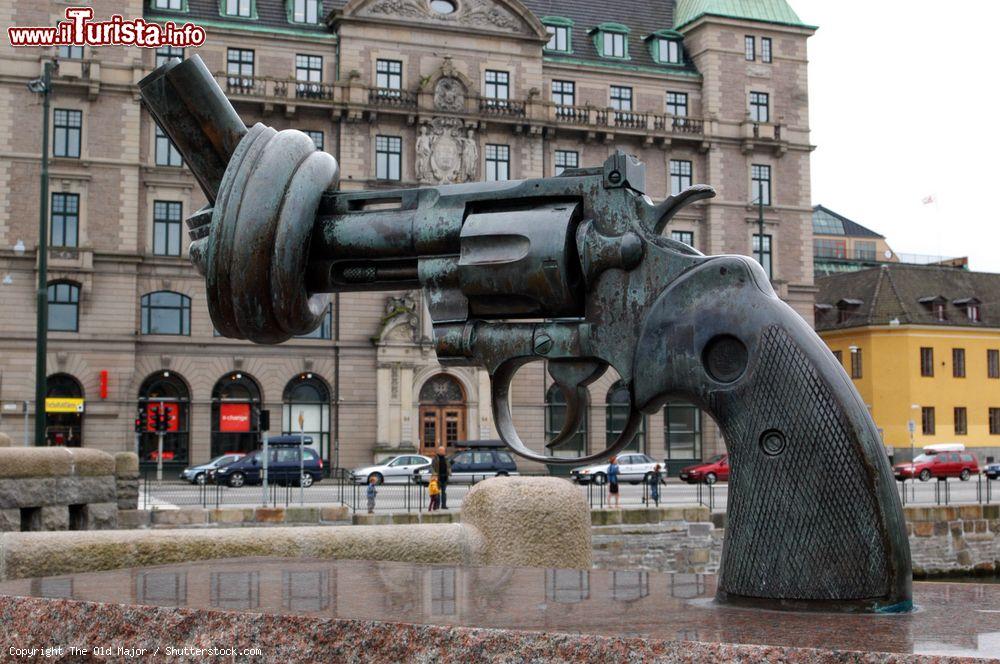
[[572, 270]]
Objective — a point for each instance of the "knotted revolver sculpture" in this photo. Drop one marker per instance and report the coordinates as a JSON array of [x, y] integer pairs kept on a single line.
[[572, 270]]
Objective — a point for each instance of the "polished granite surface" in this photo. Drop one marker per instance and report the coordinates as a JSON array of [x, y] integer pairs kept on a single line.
[[952, 619]]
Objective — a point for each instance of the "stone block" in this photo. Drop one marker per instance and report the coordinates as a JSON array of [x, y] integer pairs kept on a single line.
[[918, 513], [605, 517], [923, 529], [699, 529], [51, 517], [720, 519], [78, 490], [372, 519], [981, 526], [231, 515], [126, 465], [640, 515], [406, 517], [945, 513], [10, 520], [970, 512], [34, 462], [101, 516], [672, 514], [699, 556], [88, 462], [129, 519], [991, 512], [300, 514], [183, 517], [27, 492], [128, 493], [335, 513], [530, 522], [441, 516], [964, 558], [269, 515], [697, 514], [940, 527], [956, 528]]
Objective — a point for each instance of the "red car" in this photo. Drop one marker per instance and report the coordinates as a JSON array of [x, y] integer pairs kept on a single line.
[[941, 464], [709, 472]]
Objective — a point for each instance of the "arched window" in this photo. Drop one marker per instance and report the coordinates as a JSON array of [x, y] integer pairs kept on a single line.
[[682, 430], [64, 405], [169, 392], [306, 409], [64, 306], [166, 312], [616, 415], [236, 400], [555, 415]]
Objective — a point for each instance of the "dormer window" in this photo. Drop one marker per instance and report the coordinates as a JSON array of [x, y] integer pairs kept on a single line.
[[846, 309], [971, 306], [560, 34], [239, 8], [937, 305], [305, 11], [666, 47], [171, 5], [611, 40]]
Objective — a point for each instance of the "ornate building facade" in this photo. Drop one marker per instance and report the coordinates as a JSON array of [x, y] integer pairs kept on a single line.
[[402, 93]]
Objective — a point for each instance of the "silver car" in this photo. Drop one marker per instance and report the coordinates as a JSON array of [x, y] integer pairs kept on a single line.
[[632, 468], [198, 474], [397, 469]]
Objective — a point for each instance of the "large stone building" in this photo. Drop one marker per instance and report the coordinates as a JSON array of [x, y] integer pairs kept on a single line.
[[401, 92]]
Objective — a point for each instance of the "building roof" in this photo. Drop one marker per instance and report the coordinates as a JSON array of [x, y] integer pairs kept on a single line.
[[271, 15], [899, 293], [827, 222], [767, 11]]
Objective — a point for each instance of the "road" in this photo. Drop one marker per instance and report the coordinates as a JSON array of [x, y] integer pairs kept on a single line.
[[398, 497]]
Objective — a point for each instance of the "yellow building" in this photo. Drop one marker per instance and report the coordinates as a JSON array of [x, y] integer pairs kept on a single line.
[[922, 344]]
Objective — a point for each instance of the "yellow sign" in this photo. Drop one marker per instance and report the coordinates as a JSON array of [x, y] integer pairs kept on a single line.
[[63, 405]]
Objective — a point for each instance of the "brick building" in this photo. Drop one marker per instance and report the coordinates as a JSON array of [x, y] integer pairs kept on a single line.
[[401, 92]]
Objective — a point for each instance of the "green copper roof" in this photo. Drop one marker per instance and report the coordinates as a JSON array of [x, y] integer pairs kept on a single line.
[[768, 11]]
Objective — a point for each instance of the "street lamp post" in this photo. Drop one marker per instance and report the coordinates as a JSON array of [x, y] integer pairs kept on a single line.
[[42, 86]]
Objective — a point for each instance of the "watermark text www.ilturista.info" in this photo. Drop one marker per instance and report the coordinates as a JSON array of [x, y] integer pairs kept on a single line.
[[79, 29]]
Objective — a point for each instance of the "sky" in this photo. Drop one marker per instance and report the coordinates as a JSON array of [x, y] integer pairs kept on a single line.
[[904, 104]]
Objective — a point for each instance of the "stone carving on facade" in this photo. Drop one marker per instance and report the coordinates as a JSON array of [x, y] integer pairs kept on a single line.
[[449, 95], [400, 320], [482, 14], [446, 152]]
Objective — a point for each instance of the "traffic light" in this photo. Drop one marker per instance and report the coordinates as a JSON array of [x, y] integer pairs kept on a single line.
[[162, 418], [141, 419]]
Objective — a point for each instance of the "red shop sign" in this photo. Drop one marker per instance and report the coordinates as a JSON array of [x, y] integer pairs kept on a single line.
[[234, 417]]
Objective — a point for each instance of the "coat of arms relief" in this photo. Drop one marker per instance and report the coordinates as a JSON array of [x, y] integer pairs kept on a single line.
[[447, 151]]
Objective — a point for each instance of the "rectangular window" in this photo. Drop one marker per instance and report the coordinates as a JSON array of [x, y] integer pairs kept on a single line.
[[497, 162], [958, 362], [760, 177], [239, 68], [168, 4], [764, 260], [830, 248], [750, 47], [926, 361], [759, 107], [682, 430], [64, 307], [497, 85], [839, 354], [165, 152], [684, 237], [165, 53], [566, 159], [309, 74], [765, 49], [564, 93], [389, 74], [69, 52], [927, 420], [961, 421], [241, 8], [680, 175], [317, 137], [66, 139], [621, 98], [65, 230], [388, 154], [305, 11], [864, 250], [994, 421], [669, 50], [857, 366], [614, 45], [993, 363], [558, 38], [677, 104], [166, 228]]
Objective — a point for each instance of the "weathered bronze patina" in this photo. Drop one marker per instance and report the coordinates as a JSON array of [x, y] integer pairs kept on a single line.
[[572, 270]]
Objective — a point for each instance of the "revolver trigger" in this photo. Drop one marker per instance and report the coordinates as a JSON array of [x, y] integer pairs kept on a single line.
[[572, 377]]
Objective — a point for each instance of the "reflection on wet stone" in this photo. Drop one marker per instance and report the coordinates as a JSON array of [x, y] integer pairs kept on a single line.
[[235, 590], [687, 586], [305, 591], [567, 586], [629, 586], [443, 591], [161, 588], [53, 588]]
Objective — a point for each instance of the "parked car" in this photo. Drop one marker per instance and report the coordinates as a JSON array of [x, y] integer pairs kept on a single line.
[[992, 471], [632, 468], [941, 461], [199, 474], [282, 465], [397, 469], [473, 465], [714, 470]]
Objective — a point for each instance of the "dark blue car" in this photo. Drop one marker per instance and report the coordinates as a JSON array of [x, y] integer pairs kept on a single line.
[[282, 467], [992, 471]]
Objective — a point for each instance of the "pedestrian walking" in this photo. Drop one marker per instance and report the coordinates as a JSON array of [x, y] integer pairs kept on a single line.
[[434, 490], [613, 482], [653, 479], [442, 472], [372, 492]]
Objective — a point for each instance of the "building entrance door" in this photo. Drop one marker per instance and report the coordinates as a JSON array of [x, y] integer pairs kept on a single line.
[[442, 413]]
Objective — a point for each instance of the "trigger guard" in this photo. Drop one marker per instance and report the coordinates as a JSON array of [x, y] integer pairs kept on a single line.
[[500, 381]]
